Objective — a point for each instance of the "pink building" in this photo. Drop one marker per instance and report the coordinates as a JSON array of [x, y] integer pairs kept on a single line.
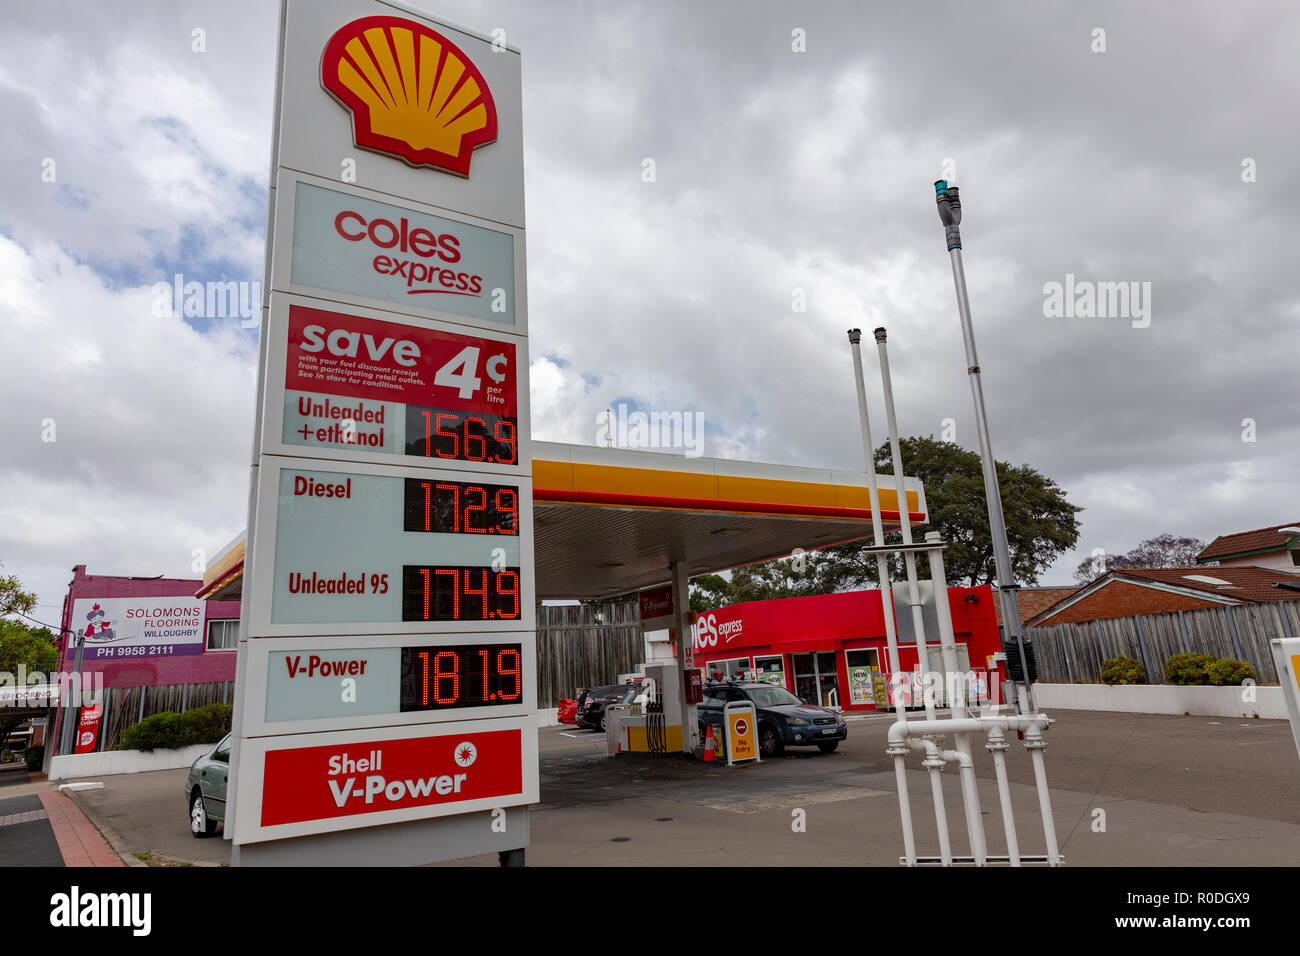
[[156, 645]]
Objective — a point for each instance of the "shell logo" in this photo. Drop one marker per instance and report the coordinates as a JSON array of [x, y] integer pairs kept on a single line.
[[412, 93]]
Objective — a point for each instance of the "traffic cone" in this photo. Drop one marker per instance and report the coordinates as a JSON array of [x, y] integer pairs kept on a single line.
[[710, 745]]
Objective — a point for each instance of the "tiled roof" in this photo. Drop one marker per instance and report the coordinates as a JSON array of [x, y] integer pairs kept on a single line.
[[1244, 583], [1261, 539]]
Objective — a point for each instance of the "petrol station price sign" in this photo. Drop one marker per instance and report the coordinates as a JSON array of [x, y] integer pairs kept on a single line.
[[425, 552], [313, 684], [373, 386]]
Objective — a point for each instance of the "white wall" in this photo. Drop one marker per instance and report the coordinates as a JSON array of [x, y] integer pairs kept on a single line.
[[1162, 699], [123, 761]]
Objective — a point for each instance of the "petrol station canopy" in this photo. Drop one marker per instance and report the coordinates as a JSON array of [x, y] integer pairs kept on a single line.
[[608, 521]]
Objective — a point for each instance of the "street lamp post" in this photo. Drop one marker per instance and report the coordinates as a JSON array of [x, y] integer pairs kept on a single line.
[[950, 215]]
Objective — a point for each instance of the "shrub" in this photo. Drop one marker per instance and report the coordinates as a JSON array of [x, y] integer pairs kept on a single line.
[[34, 757], [1123, 670], [1228, 672], [172, 731], [1188, 668]]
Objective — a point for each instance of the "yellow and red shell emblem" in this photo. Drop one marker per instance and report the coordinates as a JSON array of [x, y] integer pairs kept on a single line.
[[412, 93]]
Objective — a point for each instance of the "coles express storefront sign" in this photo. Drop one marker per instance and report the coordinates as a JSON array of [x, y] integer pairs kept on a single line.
[[359, 246], [714, 631], [345, 785]]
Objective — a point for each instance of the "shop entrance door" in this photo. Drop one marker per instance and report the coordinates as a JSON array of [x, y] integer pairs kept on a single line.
[[815, 678]]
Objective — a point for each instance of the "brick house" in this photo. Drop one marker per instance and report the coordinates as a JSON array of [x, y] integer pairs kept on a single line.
[[1164, 590]]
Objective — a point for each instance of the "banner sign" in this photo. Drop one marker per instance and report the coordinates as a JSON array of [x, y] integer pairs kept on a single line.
[[88, 729], [138, 627]]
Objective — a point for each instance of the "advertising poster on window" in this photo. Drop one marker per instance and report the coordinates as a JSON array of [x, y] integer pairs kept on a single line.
[[138, 626], [861, 688]]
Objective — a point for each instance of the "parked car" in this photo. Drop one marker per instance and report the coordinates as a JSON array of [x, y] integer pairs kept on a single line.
[[592, 704], [205, 789], [783, 719], [568, 711]]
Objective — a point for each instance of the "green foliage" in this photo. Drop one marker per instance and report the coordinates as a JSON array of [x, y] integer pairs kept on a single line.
[[1123, 670], [1229, 672], [34, 757], [30, 646], [1041, 526], [172, 731], [1041, 523], [13, 599], [1189, 669]]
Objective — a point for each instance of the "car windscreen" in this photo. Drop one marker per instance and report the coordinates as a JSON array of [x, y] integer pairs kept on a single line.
[[771, 696]]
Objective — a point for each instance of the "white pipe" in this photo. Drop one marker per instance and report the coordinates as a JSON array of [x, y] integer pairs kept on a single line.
[[1034, 743], [905, 523], [955, 692], [905, 806], [877, 532], [997, 746], [900, 731], [934, 760]]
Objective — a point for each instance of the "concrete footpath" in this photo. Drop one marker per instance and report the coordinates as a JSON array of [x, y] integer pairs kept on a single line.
[[39, 826]]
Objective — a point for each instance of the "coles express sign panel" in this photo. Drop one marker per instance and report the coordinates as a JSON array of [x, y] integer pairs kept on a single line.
[[386, 775], [360, 247]]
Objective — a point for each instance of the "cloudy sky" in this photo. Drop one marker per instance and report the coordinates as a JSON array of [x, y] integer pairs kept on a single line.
[[794, 148]]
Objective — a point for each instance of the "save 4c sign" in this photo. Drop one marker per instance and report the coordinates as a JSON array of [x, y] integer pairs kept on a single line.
[[387, 667]]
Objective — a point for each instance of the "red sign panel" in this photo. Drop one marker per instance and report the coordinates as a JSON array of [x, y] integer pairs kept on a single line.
[[88, 729], [338, 780], [347, 355]]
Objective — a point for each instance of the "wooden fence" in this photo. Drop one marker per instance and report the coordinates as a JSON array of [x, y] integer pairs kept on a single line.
[[126, 706], [582, 645], [1072, 653]]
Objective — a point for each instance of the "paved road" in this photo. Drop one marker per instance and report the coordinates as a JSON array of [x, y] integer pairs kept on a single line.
[[1174, 790]]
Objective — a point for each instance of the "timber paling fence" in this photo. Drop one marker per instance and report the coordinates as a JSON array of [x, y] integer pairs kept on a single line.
[[126, 706], [585, 646], [1072, 653]]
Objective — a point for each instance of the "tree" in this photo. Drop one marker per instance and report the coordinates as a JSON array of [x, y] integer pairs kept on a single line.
[[1162, 551], [13, 599], [21, 644], [1041, 523]]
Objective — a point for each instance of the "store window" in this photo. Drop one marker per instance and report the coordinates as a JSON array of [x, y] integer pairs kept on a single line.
[[731, 669], [772, 669], [223, 635], [862, 667]]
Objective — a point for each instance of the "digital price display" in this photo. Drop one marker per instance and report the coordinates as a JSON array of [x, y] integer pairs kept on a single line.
[[431, 593], [460, 507], [461, 436], [469, 675]]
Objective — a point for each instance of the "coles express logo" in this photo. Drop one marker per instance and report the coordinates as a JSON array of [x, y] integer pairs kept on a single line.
[[707, 630], [425, 272]]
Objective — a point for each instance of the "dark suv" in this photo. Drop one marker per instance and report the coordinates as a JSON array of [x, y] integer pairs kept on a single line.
[[783, 719], [592, 703]]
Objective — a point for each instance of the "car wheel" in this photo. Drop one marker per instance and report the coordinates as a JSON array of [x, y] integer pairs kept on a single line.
[[200, 824], [828, 746], [602, 723], [770, 743]]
